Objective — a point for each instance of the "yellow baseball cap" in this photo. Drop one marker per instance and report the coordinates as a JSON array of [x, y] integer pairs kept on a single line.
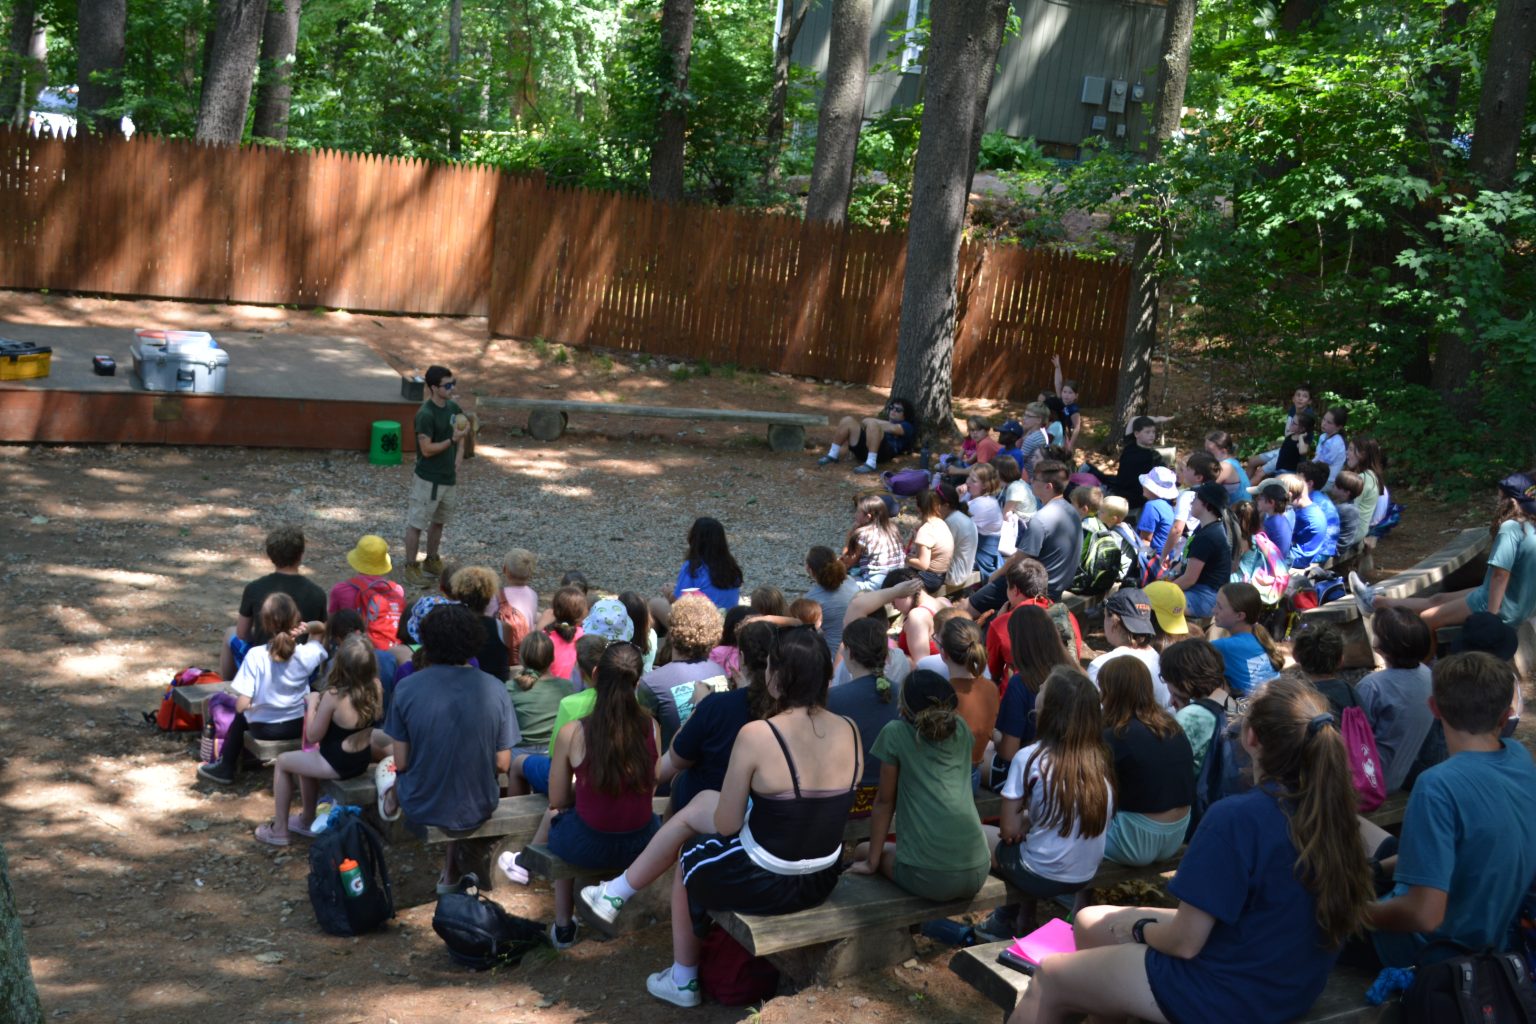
[[1167, 602]]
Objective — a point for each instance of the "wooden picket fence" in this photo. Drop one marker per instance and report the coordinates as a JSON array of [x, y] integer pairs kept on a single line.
[[176, 219]]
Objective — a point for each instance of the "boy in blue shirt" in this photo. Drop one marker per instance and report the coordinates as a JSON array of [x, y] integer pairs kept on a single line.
[[1315, 475], [1309, 532], [1468, 850], [1159, 486]]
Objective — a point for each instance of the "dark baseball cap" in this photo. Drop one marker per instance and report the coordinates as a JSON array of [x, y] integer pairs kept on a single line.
[[1134, 609], [1274, 490], [1521, 487], [1213, 495], [1485, 631], [1011, 427]]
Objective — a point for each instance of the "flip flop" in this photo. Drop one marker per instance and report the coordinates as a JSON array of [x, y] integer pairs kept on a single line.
[[383, 782], [266, 834], [296, 826], [510, 867]]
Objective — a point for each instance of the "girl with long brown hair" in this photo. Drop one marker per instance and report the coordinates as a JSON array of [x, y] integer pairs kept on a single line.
[[1274, 881], [1247, 649], [604, 817], [1037, 650], [873, 547], [1154, 768], [341, 720], [1057, 803], [933, 545]]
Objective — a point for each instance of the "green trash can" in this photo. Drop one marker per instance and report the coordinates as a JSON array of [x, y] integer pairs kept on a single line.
[[385, 447]]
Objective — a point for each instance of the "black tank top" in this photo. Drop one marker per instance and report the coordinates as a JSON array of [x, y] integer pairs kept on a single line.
[[807, 827]]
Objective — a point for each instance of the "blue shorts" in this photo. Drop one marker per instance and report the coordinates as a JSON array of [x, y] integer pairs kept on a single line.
[[576, 842], [239, 648], [1200, 600], [536, 771]]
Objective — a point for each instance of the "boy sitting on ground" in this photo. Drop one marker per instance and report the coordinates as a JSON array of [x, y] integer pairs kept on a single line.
[[1468, 850]]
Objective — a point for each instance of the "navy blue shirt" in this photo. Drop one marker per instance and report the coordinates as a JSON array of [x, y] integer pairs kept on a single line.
[[706, 739], [860, 700], [1014, 717], [1264, 960]]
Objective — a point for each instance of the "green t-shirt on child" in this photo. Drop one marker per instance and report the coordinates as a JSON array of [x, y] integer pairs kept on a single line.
[[577, 705], [937, 827], [538, 708]]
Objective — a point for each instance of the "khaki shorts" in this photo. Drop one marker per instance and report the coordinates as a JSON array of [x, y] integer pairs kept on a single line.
[[430, 503]]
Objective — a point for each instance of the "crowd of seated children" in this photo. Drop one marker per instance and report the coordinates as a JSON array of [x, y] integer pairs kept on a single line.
[[1396, 698], [1035, 649], [925, 789], [285, 550], [801, 768], [340, 723], [1265, 901], [1508, 589], [271, 685], [601, 782], [1153, 766], [1057, 803]]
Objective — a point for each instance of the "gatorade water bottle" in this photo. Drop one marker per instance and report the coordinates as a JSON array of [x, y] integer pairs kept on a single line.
[[351, 878]]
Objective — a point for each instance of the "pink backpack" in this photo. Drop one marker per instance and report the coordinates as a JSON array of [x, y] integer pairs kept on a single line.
[[1365, 769]]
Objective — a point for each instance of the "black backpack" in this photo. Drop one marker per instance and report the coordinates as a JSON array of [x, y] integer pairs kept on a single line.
[[1226, 770], [479, 933], [1473, 988], [336, 911]]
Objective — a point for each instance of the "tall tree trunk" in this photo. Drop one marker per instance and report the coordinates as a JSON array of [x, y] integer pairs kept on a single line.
[[103, 24], [778, 100], [842, 112], [18, 993], [672, 118], [274, 91], [14, 94], [1495, 150], [455, 34], [231, 69], [960, 61], [1146, 281]]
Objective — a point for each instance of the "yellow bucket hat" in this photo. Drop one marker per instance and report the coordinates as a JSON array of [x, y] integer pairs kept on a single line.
[[371, 556]]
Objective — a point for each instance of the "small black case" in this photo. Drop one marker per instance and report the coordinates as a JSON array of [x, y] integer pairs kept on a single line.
[[104, 366]]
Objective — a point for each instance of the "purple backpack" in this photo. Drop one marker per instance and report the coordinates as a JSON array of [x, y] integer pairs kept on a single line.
[[905, 483], [221, 714]]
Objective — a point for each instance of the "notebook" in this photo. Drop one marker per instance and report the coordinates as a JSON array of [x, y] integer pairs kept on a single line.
[[1055, 936]]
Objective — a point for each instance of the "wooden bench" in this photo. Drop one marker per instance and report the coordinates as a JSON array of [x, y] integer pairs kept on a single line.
[[548, 417], [866, 923], [1460, 562], [194, 699], [267, 750], [1343, 999]]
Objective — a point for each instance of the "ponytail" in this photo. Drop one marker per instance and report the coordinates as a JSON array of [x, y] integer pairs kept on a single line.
[[279, 618], [1302, 751], [1276, 659], [961, 642], [1244, 599], [569, 606], [825, 568]]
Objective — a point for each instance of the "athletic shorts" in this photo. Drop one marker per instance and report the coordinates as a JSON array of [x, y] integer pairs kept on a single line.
[[718, 875], [430, 503], [536, 772]]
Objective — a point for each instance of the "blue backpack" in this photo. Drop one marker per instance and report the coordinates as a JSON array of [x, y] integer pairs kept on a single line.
[[1225, 771]]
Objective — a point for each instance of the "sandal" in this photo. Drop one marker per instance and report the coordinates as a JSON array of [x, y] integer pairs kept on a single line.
[[267, 833], [383, 782], [296, 826]]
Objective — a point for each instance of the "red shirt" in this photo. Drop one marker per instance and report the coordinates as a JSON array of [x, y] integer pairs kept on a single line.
[[1000, 648]]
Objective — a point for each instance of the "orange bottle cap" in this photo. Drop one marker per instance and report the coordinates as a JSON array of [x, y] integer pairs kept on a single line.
[[347, 865]]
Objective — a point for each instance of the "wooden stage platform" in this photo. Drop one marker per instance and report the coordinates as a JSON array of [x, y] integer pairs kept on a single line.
[[283, 391]]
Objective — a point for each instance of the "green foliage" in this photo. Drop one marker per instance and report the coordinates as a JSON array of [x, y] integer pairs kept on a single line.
[[883, 168], [1001, 152]]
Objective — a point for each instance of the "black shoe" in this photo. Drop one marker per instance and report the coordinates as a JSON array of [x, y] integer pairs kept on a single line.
[[216, 773]]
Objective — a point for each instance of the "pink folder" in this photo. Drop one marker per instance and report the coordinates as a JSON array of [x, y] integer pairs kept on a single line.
[[1055, 936]]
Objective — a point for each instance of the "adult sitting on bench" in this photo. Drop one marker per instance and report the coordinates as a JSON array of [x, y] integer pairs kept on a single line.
[[800, 771], [451, 730], [1258, 926], [271, 686]]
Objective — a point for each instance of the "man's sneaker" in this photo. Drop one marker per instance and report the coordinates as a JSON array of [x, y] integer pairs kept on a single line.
[[1365, 595], [603, 906], [825, 460], [562, 938], [663, 987], [415, 577], [998, 925], [216, 773], [432, 565], [863, 468]]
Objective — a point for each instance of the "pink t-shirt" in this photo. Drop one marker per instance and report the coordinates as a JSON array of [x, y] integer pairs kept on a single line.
[[565, 654]]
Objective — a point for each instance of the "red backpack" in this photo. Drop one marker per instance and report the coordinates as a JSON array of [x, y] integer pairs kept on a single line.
[[170, 718], [380, 602]]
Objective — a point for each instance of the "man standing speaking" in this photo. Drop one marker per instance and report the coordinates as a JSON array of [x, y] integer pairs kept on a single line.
[[440, 426]]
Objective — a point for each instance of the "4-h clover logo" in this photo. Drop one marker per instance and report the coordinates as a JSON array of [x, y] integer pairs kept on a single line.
[[390, 442]]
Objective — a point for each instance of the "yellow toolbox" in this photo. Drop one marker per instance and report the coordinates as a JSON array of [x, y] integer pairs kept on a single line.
[[20, 360]]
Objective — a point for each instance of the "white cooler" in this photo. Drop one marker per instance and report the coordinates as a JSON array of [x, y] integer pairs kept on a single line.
[[190, 362]]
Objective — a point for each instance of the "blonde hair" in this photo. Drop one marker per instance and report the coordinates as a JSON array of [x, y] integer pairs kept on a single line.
[[1295, 486], [519, 565], [985, 474], [474, 585], [1040, 411]]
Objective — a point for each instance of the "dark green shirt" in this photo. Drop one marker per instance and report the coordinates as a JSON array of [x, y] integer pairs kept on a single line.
[[437, 425], [936, 818]]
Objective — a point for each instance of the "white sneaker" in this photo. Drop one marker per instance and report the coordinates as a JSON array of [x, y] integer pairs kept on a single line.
[[603, 906], [1365, 595], [515, 872], [664, 988]]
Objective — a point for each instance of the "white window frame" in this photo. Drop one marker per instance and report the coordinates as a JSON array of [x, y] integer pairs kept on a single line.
[[911, 53]]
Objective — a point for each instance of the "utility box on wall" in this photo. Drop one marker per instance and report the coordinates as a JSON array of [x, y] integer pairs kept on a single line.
[[1093, 90]]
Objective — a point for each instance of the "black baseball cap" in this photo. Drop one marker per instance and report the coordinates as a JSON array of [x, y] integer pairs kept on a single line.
[[1134, 609]]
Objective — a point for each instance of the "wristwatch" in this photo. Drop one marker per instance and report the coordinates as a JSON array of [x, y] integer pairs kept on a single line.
[[1138, 930]]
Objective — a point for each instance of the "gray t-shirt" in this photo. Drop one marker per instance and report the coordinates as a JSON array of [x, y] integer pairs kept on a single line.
[[963, 528], [456, 719], [1055, 536], [667, 692], [1396, 700], [834, 606]]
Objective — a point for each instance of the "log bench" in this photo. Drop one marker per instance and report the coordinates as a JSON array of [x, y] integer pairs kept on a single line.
[[267, 750], [1343, 999], [548, 417], [865, 924], [1459, 563], [194, 699]]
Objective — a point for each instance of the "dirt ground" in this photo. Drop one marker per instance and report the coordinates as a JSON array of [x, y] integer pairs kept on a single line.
[[143, 894]]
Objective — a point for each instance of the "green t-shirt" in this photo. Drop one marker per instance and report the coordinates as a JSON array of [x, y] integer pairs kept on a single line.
[[937, 827], [437, 424], [537, 708], [1370, 491], [577, 705]]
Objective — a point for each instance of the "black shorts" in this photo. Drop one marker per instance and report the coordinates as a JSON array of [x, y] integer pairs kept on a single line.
[[718, 875], [886, 453]]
